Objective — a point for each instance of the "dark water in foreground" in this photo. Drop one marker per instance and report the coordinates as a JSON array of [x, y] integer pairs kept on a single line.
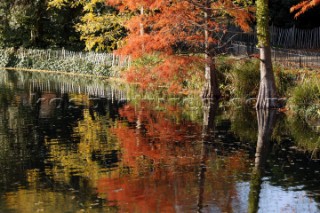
[[74, 145]]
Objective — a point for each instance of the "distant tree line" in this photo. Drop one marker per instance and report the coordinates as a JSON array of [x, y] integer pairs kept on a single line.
[[77, 25], [43, 24], [29, 23]]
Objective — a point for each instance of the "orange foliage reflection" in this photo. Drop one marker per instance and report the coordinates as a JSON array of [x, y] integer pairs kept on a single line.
[[164, 155], [157, 136]]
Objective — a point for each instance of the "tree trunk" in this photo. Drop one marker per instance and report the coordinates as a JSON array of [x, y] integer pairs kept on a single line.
[[141, 23], [211, 88], [37, 25], [267, 96], [142, 27], [266, 122]]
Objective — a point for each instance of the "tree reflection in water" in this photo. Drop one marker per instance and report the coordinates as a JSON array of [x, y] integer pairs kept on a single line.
[[171, 165], [266, 122], [209, 114]]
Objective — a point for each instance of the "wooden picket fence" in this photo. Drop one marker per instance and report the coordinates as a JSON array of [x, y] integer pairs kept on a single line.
[[285, 57], [293, 38], [109, 59]]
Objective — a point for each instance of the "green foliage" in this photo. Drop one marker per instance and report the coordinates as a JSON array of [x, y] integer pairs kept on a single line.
[[262, 15], [147, 60], [285, 80], [242, 78], [189, 78], [305, 97], [31, 24]]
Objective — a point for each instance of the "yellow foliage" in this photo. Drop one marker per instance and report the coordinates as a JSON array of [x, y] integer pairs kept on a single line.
[[101, 27]]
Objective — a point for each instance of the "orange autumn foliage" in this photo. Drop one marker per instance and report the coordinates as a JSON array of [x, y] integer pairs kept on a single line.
[[304, 6], [168, 22], [169, 25]]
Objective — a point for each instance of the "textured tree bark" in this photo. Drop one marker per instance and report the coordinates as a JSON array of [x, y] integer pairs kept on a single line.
[[266, 123], [267, 96], [211, 88]]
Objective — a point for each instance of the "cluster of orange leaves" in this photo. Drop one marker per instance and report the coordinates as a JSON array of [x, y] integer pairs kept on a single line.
[[304, 6]]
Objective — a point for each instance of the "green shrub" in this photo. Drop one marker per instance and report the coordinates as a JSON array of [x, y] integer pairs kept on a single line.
[[243, 78], [305, 94], [305, 98], [284, 80]]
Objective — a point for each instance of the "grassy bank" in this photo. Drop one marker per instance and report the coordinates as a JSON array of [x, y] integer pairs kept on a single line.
[[239, 79]]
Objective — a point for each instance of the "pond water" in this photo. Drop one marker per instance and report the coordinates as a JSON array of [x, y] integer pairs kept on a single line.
[[87, 145]]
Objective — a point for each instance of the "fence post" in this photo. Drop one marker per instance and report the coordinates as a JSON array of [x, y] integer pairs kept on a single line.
[[300, 62]]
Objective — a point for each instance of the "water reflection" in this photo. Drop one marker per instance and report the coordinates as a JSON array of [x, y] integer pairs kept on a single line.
[[171, 166], [208, 132], [266, 121], [72, 145]]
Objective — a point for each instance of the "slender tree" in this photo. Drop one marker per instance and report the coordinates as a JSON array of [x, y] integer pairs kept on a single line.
[[267, 96]]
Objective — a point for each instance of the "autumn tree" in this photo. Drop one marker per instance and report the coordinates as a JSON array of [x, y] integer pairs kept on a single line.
[[179, 31], [267, 96]]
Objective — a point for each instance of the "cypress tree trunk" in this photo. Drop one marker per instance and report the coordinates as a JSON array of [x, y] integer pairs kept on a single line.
[[267, 96], [211, 88]]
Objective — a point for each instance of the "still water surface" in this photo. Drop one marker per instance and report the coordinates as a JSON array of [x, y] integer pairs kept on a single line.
[[84, 145]]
